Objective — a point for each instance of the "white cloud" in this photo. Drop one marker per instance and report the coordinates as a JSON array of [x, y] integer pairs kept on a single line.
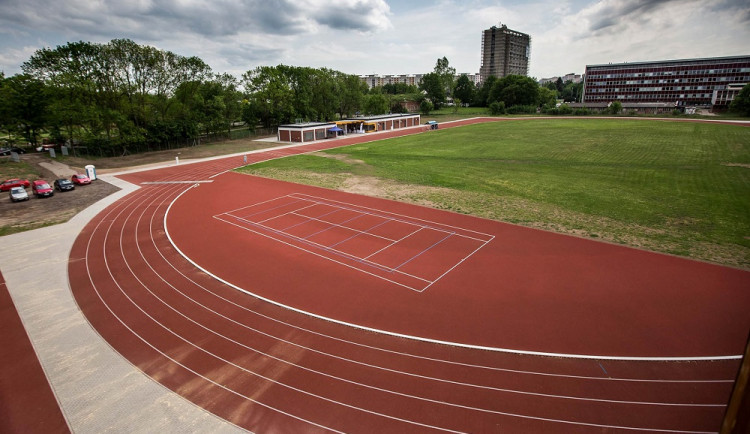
[[379, 36]]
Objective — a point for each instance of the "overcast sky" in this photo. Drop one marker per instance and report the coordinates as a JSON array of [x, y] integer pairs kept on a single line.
[[382, 36]]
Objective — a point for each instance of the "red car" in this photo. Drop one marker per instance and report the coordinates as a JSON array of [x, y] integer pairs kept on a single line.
[[7, 185], [80, 179], [41, 188]]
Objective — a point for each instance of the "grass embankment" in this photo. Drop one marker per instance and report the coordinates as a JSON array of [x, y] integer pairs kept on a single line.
[[673, 187]]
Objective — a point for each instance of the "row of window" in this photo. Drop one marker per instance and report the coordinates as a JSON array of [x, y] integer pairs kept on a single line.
[[649, 97], [734, 79], [653, 89], [718, 71]]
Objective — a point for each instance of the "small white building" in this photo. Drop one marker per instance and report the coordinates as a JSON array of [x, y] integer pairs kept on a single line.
[[305, 131]]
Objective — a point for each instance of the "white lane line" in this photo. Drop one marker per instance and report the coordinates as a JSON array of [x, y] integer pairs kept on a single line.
[[146, 261], [176, 182], [145, 341], [228, 362], [302, 391], [436, 341]]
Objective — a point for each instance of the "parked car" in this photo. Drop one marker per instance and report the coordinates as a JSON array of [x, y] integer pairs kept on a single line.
[[7, 151], [45, 147], [18, 194], [80, 179], [15, 182], [64, 185], [41, 188]]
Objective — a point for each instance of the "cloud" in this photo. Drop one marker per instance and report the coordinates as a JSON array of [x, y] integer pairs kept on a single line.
[[359, 15], [210, 18], [371, 36], [632, 31], [616, 16]]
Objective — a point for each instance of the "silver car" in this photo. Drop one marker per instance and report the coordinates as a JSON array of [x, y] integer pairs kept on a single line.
[[18, 194]]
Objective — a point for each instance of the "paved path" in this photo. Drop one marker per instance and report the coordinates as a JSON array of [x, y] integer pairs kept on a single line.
[[96, 388], [98, 391]]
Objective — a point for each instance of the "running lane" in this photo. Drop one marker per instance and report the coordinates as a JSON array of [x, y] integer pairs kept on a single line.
[[267, 368], [27, 403]]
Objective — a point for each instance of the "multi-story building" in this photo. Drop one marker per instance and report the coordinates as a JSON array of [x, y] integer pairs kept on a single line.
[[375, 80], [474, 78], [689, 82], [575, 78], [504, 52]]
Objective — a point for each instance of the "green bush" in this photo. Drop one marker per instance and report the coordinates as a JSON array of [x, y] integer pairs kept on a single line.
[[426, 107], [497, 108], [521, 109], [615, 108]]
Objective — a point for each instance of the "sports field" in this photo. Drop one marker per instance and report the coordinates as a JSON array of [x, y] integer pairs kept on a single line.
[[673, 187]]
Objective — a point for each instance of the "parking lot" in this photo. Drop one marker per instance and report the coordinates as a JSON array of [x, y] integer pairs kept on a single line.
[[38, 212]]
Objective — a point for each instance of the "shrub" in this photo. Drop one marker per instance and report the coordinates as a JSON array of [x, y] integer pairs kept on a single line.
[[565, 109], [426, 107], [521, 109], [497, 108], [615, 107]]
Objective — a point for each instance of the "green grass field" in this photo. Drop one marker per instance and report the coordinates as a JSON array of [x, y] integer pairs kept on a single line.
[[674, 187]]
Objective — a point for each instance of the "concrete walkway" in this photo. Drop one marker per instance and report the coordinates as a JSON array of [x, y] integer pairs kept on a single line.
[[97, 389]]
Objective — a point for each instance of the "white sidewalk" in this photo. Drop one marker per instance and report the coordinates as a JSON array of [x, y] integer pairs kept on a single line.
[[98, 390]]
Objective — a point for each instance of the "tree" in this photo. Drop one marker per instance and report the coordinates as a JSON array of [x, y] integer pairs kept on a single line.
[[741, 103], [483, 94], [432, 85], [25, 105], [615, 107], [559, 85], [117, 94], [351, 93], [447, 75], [515, 90], [270, 94], [497, 108], [465, 90], [425, 107], [376, 104], [547, 97], [572, 92]]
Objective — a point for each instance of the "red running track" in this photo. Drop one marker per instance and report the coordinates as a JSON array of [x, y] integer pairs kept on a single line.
[[269, 368], [27, 403]]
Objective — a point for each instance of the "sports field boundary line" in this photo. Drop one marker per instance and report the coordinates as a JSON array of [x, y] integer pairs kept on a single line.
[[424, 339], [326, 249]]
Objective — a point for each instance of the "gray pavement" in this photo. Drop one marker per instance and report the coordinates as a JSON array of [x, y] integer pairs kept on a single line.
[[98, 390]]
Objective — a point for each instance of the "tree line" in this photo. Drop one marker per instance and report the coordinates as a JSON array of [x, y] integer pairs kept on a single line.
[[509, 94], [122, 97]]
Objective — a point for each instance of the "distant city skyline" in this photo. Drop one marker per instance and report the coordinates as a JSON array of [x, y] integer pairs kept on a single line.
[[384, 37]]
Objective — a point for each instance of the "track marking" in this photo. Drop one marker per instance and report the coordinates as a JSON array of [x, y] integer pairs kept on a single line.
[[266, 226], [429, 340]]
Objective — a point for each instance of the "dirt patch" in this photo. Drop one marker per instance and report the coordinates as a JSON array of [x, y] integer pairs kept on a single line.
[[344, 158], [746, 166], [165, 156], [39, 212], [667, 238]]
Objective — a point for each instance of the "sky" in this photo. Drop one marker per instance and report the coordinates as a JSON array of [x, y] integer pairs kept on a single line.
[[382, 36]]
